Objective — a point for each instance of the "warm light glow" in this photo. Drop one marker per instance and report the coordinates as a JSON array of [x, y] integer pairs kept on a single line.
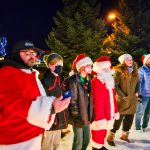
[[111, 16]]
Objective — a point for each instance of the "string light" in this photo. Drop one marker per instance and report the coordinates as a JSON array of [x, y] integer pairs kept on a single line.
[[3, 43]]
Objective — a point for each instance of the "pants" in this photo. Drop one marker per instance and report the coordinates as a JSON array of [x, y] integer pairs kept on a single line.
[[127, 123], [81, 138], [98, 137], [143, 110], [52, 140]]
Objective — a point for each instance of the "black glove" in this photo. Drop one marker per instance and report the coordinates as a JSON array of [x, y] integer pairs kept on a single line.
[[140, 99]]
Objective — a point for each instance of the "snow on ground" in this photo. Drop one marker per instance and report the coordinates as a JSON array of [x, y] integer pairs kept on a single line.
[[141, 141]]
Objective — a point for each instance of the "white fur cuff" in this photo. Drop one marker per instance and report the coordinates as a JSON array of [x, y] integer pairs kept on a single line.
[[39, 112]]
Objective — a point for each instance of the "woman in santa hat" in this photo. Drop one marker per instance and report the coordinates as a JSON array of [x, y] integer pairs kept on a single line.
[[127, 89], [80, 108], [105, 107]]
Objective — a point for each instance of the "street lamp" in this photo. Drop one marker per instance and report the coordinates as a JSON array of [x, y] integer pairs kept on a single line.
[[111, 16]]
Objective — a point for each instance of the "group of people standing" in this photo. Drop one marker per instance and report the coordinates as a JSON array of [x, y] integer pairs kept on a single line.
[[33, 112]]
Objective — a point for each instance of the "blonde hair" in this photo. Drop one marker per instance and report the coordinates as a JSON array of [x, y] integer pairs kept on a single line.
[[52, 58]]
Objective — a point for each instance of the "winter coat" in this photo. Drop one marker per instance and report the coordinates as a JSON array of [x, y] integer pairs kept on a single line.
[[81, 106], [24, 109], [144, 75], [126, 85], [54, 87], [105, 106]]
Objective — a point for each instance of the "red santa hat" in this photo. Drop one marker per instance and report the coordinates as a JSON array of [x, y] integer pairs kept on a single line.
[[123, 57], [80, 61], [101, 63], [144, 58]]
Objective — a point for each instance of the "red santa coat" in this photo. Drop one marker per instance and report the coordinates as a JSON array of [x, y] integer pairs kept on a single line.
[[105, 109], [24, 106]]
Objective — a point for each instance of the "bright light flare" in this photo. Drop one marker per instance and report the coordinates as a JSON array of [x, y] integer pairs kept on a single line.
[[111, 16]]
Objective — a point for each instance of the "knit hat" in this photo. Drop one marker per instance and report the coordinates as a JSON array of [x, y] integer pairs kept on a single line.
[[80, 61], [51, 57], [123, 57], [101, 63], [24, 45], [144, 58]]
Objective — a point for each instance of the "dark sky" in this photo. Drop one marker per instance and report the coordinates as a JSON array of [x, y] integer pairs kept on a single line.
[[30, 19]]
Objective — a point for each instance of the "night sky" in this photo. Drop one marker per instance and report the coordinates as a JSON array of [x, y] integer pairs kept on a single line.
[[30, 19]]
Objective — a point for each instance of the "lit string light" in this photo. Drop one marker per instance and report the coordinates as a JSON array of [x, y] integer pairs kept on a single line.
[[3, 43]]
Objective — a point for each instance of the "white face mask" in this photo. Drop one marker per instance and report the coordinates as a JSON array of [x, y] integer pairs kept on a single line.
[[88, 70]]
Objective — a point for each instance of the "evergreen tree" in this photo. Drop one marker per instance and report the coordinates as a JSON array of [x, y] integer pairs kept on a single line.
[[78, 29], [136, 15]]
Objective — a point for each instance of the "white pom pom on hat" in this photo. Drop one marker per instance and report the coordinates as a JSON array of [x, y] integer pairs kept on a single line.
[[123, 57], [144, 58]]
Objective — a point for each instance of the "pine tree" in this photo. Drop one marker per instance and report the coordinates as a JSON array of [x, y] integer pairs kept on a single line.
[[78, 29], [136, 15]]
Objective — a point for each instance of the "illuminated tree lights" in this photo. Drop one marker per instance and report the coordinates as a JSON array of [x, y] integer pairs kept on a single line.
[[3, 43]]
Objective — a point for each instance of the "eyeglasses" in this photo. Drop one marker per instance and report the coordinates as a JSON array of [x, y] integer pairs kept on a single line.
[[30, 53]]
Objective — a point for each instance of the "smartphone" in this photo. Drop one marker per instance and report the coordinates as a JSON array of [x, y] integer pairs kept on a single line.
[[67, 94]]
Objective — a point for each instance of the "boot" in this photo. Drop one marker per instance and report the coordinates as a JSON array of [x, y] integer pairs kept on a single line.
[[103, 148], [110, 139], [125, 136]]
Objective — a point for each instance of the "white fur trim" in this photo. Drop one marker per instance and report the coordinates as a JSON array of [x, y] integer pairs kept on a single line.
[[98, 66], [123, 57], [40, 86], [102, 124], [96, 145], [34, 144], [111, 98], [116, 116], [40, 111], [99, 125], [83, 62], [71, 73], [146, 58], [110, 124]]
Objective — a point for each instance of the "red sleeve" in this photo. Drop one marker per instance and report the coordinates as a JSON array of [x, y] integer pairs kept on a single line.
[[98, 99], [13, 97]]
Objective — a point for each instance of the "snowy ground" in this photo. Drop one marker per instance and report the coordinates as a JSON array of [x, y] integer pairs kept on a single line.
[[141, 141]]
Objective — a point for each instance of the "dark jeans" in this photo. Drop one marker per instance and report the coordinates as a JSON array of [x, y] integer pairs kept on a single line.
[[81, 138], [127, 121]]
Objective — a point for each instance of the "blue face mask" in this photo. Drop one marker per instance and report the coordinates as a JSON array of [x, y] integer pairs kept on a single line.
[[130, 69], [58, 69]]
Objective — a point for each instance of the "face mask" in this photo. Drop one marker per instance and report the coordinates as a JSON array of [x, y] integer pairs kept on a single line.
[[58, 69], [88, 70]]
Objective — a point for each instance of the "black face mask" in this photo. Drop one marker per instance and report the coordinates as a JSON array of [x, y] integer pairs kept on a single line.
[[58, 69]]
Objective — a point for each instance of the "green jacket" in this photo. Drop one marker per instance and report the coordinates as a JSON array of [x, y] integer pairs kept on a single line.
[[126, 85]]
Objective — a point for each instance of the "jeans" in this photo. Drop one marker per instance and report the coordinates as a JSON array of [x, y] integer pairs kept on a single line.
[[81, 138], [143, 112]]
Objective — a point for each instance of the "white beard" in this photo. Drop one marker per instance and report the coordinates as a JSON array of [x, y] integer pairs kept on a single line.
[[107, 78]]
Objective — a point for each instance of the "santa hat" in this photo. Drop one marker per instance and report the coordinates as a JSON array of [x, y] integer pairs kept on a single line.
[[101, 63], [123, 57], [144, 58], [80, 61]]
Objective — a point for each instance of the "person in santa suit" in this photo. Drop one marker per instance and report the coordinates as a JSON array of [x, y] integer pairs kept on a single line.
[[25, 110], [105, 106]]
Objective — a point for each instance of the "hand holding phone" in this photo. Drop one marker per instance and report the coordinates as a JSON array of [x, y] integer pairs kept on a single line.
[[67, 94]]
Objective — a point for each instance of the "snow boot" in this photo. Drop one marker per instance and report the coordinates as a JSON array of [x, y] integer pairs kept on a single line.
[[110, 139], [125, 136], [103, 148]]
